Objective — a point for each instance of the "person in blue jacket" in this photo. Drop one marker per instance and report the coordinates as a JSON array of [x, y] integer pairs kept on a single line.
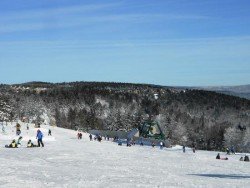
[[39, 137]]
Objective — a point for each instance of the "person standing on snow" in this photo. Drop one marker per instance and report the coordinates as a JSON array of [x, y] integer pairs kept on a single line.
[[90, 137], [99, 138], [246, 158], [19, 141], [49, 132], [218, 156], [18, 129], [80, 135], [161, 145], [194, 148], [152, 144], [39, 137], [184, 149]]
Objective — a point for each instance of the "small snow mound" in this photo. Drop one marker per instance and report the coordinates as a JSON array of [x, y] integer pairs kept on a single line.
[[178, 147]]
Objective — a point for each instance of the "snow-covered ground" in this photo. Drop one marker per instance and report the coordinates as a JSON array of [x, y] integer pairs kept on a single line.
[[66, 161]]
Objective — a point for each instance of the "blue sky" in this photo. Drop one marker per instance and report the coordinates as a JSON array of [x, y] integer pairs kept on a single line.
[[166, 42]]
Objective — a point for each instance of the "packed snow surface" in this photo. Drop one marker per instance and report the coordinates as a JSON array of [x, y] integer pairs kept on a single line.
[[66, 161]]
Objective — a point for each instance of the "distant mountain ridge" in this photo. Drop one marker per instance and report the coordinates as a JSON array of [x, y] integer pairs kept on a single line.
[[242, 91]]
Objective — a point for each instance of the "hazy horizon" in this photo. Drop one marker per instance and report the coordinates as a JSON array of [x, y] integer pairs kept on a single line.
[[129, 83]]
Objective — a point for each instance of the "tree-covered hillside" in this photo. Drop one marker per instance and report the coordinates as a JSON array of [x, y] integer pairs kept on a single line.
[[207, 119]]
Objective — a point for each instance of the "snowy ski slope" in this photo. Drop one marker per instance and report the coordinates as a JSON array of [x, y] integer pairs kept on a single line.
[[66, 161]]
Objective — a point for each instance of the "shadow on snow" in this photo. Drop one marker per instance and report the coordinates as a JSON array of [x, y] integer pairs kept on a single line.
[[229, 176]]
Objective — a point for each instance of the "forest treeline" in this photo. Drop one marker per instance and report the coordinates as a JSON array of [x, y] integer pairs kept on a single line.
[[207, 119]]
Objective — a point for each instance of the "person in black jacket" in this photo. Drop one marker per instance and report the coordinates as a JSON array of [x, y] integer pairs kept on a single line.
[[49, 132], [246, 158], [90, 137], [218, 156]]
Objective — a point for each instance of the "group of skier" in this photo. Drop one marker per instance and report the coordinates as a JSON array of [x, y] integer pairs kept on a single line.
[[14, 144], [39, 137], [230, 151], [91, 137], [246, 158], [221, 158], [96, 137], [129, 142], [79, 135]]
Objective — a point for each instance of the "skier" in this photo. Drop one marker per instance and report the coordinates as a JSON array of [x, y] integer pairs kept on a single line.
[[30, 144], [19, 141], [246, 158], [99, 138], [218, 156], [153, 144], [184, 149], [194, 148], [161, 145], [80, 135], [12, 145], [228, 151], [39, 137], [18, 129], [28, 127], [90, 137], [49, 133]]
